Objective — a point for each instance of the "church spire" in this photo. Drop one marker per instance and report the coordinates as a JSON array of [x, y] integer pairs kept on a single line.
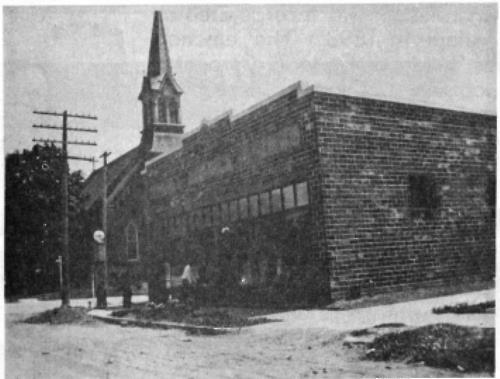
[[159, 60], [160, 96]]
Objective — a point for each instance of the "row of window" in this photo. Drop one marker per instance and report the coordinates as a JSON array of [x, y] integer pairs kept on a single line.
[[272, 201]]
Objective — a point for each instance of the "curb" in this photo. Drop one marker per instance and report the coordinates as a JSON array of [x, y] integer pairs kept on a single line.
[[194, 329]]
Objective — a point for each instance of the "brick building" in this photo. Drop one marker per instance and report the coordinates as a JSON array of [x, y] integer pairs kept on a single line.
[[381, 195]]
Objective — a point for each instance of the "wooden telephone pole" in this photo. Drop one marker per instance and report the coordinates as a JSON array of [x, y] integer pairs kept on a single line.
[[65, 287], [102, 267]]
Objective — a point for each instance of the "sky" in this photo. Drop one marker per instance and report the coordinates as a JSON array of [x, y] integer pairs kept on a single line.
[[91, 60]]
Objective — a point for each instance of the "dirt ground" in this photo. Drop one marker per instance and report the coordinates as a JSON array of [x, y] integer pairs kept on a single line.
[[101, 350]]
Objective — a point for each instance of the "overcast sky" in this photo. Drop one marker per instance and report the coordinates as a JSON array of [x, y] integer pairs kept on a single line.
[[92, 60]]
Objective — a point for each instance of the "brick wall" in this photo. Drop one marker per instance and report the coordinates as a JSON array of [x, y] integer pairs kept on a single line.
[[225, 165], [377, 239]]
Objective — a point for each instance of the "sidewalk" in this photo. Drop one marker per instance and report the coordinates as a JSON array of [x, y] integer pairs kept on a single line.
[[413, 313]]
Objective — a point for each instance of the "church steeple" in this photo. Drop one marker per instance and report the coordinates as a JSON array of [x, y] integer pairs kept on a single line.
[[160, 94], [159, 60]]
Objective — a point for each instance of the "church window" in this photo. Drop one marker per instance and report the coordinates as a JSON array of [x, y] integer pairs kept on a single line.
[[162, 111], [132, 238], [174, 113]]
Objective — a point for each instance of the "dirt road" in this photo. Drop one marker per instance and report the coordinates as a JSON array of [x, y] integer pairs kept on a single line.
[[101, 350]]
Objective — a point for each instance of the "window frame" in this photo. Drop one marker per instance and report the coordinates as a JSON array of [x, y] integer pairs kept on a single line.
[[423, 196], [132, 225]]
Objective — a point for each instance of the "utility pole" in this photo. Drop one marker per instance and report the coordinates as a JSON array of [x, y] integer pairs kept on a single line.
[[59, 263], [103, 279], [65, 287]]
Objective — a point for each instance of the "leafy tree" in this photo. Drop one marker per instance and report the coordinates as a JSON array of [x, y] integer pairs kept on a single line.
[[33, 222]]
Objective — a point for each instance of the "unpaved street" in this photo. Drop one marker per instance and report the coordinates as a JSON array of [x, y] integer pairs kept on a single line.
[[101, 350]]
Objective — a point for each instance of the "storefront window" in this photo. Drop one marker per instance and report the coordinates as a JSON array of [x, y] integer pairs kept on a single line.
[[302, 194], [276, 200]]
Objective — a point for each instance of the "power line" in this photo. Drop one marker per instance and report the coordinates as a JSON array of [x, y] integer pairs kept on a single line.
[[66, 114], [65, 287], [68, 128], [90, 143]]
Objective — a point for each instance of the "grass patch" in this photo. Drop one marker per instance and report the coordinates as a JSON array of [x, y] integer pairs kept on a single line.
[[63, 315], [204, 316], [484, 307], [439, 345]]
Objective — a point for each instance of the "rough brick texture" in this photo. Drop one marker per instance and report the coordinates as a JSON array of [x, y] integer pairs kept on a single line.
[[361, 159], [368, 150], [271, 147]]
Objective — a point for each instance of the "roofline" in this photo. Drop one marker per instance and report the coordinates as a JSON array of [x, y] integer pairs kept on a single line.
[[403, 101], [301, 91], [297, 86], [112, 162]]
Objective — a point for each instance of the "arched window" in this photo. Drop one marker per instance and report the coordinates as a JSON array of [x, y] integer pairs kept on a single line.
[[174, 112], [162, 110], [132, 238]]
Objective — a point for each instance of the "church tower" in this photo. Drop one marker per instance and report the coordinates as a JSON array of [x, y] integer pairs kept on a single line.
[[160, 96]]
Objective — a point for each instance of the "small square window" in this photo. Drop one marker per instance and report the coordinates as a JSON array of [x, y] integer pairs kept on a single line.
[[423, 197], [244, 207], [254, 205], [288, 197], [276, 200], [264, 203], [302, 194]]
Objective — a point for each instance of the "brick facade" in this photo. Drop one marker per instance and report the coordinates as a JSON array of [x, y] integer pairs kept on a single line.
[[378, 195], [254, 177], [360, 160], [369, 151]]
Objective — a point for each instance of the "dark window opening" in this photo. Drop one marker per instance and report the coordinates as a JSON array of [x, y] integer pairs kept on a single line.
[[174, 113], [423, 196], [162, 111]]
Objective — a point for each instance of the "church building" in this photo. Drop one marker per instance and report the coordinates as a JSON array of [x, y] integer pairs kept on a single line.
[[358, 196]]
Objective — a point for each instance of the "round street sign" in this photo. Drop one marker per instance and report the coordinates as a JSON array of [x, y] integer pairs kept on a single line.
[[99, 236]]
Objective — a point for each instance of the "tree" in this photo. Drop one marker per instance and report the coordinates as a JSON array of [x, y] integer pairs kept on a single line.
[[33, 223]]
